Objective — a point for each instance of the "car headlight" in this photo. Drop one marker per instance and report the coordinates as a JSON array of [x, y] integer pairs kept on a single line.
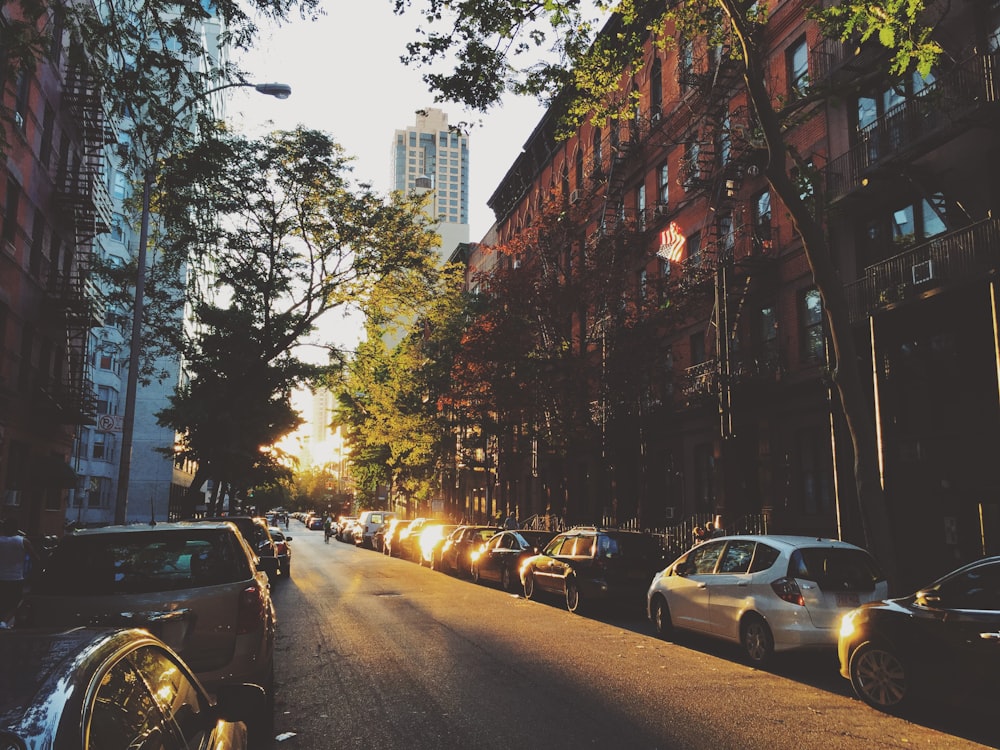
[[847, 624]]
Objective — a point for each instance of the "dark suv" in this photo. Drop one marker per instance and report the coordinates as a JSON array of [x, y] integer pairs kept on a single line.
[[588, 565], [254, 529]]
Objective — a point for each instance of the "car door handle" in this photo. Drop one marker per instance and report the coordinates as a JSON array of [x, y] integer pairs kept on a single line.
[[990, 636], [742, 584]]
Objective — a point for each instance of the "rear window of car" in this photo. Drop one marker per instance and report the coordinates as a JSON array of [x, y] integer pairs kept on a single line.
[[835, 568], [125, 563]]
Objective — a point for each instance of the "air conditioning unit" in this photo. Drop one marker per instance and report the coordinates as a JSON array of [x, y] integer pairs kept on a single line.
[[923, 272], [574, 196], [12, 498], [656, 116], [19, 120]]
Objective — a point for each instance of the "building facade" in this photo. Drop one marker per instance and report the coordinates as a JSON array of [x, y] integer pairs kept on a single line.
[[432, 157], [709, 392], [55, 203]]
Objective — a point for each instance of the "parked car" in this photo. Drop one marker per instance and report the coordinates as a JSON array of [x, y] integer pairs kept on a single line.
[[500, 558], [589, 565], [196, 585], [282, 551], [344, 529], [113, 688], [314, 523], [943, 638], [405, 542], [432, 538], [368, 523], [456, 555], [767, 593], [391, 537], [437, 550], [378, 538], [254, 529]]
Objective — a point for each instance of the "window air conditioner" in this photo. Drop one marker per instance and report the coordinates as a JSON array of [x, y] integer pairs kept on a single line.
[[923, 272], [12, 498], [656, 115], [19, 120], [574, 196]]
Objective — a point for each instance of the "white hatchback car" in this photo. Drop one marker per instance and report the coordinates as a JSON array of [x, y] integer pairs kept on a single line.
[[767, 593]]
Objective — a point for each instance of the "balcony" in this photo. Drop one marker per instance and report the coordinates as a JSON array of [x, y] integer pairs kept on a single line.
[[700, 380], [951, 259], [74, 300], [946, 107]]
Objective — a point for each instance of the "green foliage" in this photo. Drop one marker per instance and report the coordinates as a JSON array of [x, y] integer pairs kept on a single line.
[[389, 394], [285, 238]]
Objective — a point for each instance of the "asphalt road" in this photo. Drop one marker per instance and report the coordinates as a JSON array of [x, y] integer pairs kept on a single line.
[[376, 652]]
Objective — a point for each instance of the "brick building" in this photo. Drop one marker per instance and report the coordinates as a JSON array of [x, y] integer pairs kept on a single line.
[[53, 202], [728, 410]]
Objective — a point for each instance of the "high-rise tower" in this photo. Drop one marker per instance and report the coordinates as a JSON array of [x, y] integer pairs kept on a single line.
[[431, 155]]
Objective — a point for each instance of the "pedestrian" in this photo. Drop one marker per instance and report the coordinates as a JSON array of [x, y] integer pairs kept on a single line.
[[699, 535], [510, 522], [15, 551], [715, 530]]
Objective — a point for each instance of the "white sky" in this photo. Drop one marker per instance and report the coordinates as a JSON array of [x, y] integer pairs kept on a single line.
[[347, 80]]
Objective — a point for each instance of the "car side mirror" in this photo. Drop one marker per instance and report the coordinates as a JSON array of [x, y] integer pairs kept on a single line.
[[682, 569], [929, 599]]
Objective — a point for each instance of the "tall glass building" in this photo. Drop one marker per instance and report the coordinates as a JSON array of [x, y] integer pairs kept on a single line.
[[431, 156]]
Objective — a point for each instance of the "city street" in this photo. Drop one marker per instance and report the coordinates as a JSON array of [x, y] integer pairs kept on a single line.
[[375, 652]]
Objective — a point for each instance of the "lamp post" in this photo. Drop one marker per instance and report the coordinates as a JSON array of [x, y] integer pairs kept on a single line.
[[278, 91]]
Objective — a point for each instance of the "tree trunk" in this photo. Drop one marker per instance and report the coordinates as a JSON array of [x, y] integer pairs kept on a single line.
[[858, 407]]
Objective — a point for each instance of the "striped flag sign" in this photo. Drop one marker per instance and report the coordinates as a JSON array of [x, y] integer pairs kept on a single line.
[[671, 244]]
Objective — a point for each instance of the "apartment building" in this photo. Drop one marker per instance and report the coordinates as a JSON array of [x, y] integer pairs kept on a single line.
[[55, 202], [710, 391], [431, 157]]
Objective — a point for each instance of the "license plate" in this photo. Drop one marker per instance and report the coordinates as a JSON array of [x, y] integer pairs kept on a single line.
[[849, 599]]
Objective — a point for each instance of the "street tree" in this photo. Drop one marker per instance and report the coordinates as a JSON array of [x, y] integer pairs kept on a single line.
[[281, 237], [390, 392], [492, 42]]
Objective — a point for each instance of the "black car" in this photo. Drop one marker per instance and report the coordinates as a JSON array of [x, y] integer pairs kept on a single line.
[[88, 687], [501, 557], [255, 530], [946, 636], [586, 565]]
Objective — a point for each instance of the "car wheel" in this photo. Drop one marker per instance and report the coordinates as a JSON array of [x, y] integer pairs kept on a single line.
[[662, 623], [505, 580], [880, 678], [758, 643], [529, 586], [573, 601]]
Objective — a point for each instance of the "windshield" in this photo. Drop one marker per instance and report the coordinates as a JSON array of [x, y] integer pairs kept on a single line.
[[142, 562]]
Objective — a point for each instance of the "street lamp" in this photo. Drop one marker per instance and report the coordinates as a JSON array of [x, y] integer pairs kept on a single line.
[[278, 91]]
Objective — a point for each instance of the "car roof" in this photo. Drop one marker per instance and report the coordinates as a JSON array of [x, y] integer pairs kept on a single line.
[[788, 541], [139, 528]]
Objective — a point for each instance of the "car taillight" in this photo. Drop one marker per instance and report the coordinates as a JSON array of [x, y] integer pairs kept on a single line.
[[251, 610], [788, 589]]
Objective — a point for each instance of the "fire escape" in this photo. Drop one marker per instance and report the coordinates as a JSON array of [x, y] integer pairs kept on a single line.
[[73, 303], [736, 252]]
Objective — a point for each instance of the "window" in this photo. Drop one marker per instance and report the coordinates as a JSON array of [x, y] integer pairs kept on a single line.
[[656, 90], [37, 243], [811, 347], [597, 156], [697, 345], [737, 558], [578, 166], [45, 152], [10, 211], [21, 104], [815, 470], [797, 63], [685, 65], [663, 178], [640, 206], [692, 167], [704, 558]]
